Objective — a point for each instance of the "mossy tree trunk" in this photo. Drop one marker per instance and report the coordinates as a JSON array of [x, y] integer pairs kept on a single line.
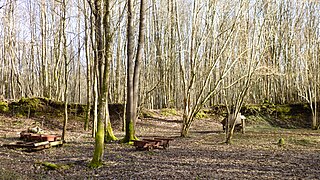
[[99, 136], [101, 70], [133, 70], [129, 127], [109, 136]]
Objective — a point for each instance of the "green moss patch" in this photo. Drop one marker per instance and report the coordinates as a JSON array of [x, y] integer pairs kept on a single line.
[[284, 116], [4, 107], [28, 106], [53, 166], [168, 112], [281, 142], [202, 115], [251, 109], [95, 165], [146, 113], [307, 142]]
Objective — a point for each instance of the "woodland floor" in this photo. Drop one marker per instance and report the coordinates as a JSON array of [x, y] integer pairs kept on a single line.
[[203, 155]]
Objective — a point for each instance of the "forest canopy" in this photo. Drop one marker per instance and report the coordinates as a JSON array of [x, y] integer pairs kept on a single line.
[[188, 45]]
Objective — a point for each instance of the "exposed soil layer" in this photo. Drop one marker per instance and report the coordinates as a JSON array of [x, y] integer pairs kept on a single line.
[[203, 155]]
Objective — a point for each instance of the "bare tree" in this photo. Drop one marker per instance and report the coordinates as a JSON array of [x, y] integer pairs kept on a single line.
[[133, 70], [89, 65], [309, 87], [102, 90], [196, 96], [187, 58], [103, 58], [44, 60], [109, 136], [66, 71]]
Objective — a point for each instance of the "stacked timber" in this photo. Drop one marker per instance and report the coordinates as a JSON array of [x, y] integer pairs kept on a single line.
[[35, 141]]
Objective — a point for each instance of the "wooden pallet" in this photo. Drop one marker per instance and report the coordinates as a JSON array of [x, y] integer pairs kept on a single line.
[[148, 144], [164, 142], [33, 146], [26, 136], [144, 145]]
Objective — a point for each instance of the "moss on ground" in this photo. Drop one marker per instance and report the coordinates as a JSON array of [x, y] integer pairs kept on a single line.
[[284, 116], [53, 166], [303, 141], [202, 115], [27, 106], [168, 112], [281, 142], [35, 106], [4, 107], [95, 165], [146, 113]]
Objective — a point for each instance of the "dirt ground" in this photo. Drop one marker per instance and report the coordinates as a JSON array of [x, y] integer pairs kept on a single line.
[[203, 155]]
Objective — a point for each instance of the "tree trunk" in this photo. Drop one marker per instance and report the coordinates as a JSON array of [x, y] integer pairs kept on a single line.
[[44, 60], [230, 136], [99, 136], [101, 72], [94, 78], [64, 41], [133, 74], [89, 74], [230, 129], [109, 136], [79, 52], [95, 103], [185, 129]]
